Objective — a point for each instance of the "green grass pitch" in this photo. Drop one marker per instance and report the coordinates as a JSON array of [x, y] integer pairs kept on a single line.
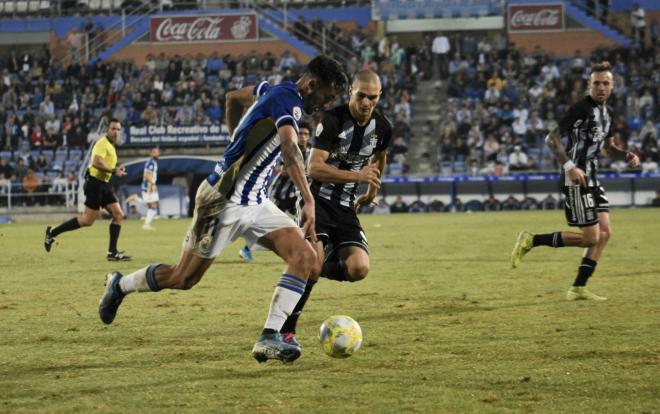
[[448, 326]]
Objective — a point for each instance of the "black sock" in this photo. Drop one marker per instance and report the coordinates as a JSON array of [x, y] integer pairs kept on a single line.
[[292, 320], [585, 271], [66, 226], [114, 236], [246, 248], [267, 331], [334, 270], [550, 239]]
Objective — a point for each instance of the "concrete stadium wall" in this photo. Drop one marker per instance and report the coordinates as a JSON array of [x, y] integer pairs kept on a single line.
[[138, 52], [562, 43]]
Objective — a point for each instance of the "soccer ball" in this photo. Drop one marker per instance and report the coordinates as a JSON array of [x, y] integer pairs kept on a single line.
[[340, 336]]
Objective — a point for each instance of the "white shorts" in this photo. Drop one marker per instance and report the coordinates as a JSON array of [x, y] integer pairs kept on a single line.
[[150, 197], [218, 222]]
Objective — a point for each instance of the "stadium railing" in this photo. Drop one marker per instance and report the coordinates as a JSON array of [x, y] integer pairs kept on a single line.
[[13, 196]]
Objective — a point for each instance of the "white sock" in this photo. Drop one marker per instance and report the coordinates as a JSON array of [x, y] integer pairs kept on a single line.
[[286, 297], [135, 282], [151, 213]]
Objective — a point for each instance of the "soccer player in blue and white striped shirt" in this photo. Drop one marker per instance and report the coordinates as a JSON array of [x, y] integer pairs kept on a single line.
[[232, 202]]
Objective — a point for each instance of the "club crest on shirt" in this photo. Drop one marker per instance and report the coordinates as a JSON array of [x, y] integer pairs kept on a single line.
[[374, 140], [297, 113]]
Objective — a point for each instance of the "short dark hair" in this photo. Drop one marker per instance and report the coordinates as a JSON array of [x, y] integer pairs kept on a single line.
[[113, 120], [329, 71], [306, 125], [603, 66]]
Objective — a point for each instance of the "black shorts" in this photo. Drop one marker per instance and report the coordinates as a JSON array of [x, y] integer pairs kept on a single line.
[[98, 193], [287, 205], [337, 227], [582, 205]]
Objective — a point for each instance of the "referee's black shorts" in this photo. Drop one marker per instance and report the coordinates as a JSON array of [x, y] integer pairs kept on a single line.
[[98, 193]]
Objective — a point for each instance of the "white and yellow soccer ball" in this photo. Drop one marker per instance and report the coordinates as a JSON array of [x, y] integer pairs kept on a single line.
[[340, 336]]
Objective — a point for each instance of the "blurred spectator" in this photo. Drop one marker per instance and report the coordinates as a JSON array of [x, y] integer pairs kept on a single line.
[[440, 49], [656, 201], [529, 203], [518, 160], [492, 204], [21, 170], [650, 158], [436, 206], [6, 170], [30, 185], [638, 24], [511, 203], [381, 207], [549, 203], [399, 206], [417, 206]]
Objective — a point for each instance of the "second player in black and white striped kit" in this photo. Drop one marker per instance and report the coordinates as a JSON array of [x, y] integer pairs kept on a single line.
[[587, 128], [350, 149]]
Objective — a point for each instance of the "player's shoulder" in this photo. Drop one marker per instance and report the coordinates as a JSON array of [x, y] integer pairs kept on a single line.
[[285, 90], [581, 108], [337, 113], [382, 118]]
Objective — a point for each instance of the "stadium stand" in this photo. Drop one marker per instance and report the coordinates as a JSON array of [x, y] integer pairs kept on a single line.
[[467, 118]]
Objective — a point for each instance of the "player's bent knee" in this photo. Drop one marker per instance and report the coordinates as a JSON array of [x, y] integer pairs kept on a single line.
[[317, 268], [605, 235], [357, 272], [590, 241]]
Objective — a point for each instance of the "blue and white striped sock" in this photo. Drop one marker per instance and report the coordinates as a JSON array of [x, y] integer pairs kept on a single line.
[[286, 296]]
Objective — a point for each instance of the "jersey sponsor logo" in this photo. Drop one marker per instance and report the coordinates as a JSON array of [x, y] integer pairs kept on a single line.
[[297, 113], [319, 129]]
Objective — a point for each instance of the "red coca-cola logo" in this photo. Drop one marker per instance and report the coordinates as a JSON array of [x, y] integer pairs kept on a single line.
[[207, 28], [536, 17], [202, 28]]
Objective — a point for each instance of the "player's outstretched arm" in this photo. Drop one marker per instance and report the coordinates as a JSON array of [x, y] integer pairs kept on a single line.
[[320, 170], [295, 167], [235, 104], [576, 175], [619, 154]]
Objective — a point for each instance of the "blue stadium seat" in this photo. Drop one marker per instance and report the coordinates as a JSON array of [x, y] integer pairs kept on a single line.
[[57, 165], [48, 154], [61, 154], [6, 155], [75, 154], [52, 174], [71, 165], [35, 154]]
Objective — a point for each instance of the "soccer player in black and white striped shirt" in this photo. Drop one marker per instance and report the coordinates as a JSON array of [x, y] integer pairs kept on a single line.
[[350, 148], [587, 126]]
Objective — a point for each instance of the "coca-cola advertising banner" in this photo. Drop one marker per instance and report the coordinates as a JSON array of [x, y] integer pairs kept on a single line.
[[204, 28], [536, 17]]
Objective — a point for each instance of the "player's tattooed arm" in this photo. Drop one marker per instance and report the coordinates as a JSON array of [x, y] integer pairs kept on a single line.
[[553, 140], [575, 174], [235, 104]]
